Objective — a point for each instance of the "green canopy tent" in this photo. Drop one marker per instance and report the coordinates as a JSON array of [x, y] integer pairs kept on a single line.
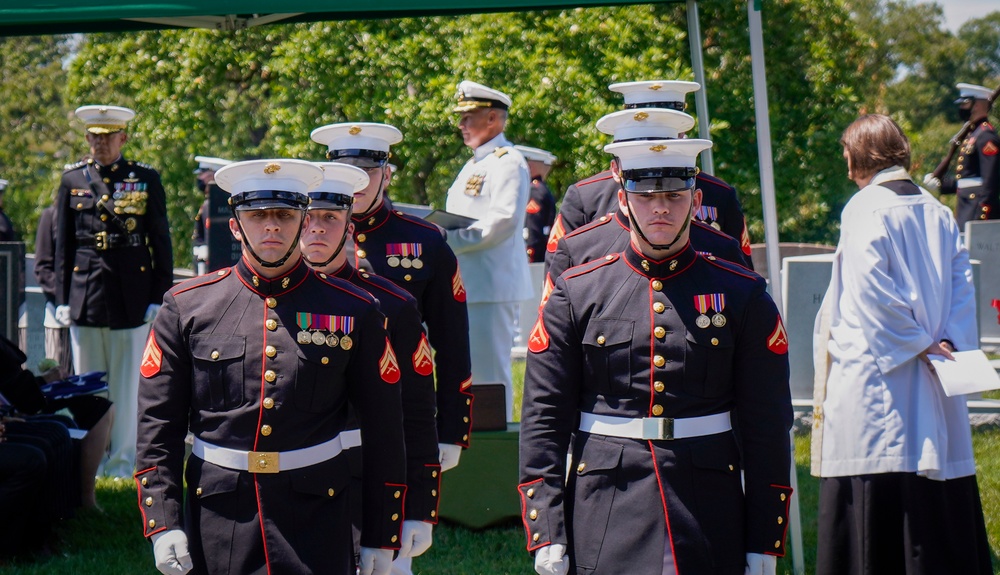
[[34, 17]]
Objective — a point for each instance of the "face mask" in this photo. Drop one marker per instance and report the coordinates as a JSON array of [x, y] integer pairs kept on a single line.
[[965, 114]]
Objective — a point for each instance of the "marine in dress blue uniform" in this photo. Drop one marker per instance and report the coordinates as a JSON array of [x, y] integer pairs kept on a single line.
[[977, 171], [261, 361], [322, 246], [113, 263], [637, 364], [413, 254], [541, 210], [593, 197]]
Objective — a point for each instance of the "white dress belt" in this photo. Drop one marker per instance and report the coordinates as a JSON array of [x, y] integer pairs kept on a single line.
[[657, 428], [274, 461], [968, 182]]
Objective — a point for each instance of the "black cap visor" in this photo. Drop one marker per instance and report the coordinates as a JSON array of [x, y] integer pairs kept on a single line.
[[329, 201], [268, 200], [651, 180]]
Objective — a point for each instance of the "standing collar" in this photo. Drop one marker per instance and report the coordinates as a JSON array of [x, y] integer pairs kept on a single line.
[[890, 174], [622, 219], [486, 149], [275, 286], [374, 219], [664, 268]]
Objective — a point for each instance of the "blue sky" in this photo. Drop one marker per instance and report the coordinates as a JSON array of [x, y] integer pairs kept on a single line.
[[956, 12]]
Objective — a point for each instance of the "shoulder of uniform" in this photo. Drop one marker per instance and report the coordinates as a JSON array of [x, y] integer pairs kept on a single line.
[[345, 286], [501, 151], [601, 221], [595, 179], [77, 165], [201, 281], [420, 224], [142, 165], [586, 268], [382, 284], [709, 178], [737, 271], [709, 229]]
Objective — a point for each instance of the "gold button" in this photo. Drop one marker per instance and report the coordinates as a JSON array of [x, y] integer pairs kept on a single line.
[[145, 482], [362, 254], [468, 402], [76, 268], [271, 302], [322, 275], [394, 538], [658, 386], [361, 237], [600, 340], [79, 206], [104, 217], [972, 196], [781, 520], [268, 403], [152, 523], [531, 492], [465, 437], [270, 376], [142, 268], [657, 410], [271, 325], [535, 537], [581, 467], [107, 180], [270, 351], [609, 258], [105, 198], [149, 502], [330, 492], [434, 473], [395, 516], [659, 332], [715, 341], [658, 307], [777, 544], [396, 495], [782, 496], [433, 513], [731, 468], [657, 285], [198, 492], [533, 514], [265, 430], [408, 277], [325, 360], [658, 360], [215, 354], [434, 492], [465, 420]]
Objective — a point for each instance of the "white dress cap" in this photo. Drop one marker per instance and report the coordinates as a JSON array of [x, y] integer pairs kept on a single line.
[[973, 91], [341, 179], [357, 136], [655, 93], [208, 163], [658, 153], [3, 185], [290, 180], [649, 123], [472, 95], [104, 119], [536, 154]]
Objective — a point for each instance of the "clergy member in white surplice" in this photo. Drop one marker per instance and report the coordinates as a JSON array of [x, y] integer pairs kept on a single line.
[[898, 492]]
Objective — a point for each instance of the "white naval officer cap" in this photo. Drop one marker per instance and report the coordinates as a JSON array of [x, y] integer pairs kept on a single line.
[[473, 95], [536, 154], [972, 91], [655, 93], [3, 185], [645, 124], [658, 165], [210, 164], [269, 184], [367, 142], [340, 182], [104, 119]]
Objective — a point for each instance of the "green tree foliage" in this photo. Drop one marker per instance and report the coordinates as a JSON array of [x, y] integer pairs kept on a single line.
[[33, 128]]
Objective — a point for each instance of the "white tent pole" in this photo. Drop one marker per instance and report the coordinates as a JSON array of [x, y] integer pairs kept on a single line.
[[700, 97]]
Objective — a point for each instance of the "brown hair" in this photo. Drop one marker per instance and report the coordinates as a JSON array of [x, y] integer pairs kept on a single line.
[[873, 143]]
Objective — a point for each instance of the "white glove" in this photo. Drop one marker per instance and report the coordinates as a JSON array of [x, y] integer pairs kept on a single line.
[[551, 560], [448, 454], [170, 550], [200, 253], [416, 538], [376, 561], [62, 315], [760, 564], [931, 183], [151, 312]]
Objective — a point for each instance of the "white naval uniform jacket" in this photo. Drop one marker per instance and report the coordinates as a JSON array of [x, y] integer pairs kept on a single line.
[[901, 281], [493, 188]]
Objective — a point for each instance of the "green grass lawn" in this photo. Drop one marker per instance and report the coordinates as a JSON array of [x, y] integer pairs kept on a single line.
[[111, 542]]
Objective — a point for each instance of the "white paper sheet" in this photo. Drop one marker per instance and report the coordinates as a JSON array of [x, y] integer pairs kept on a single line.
[[971, 372]]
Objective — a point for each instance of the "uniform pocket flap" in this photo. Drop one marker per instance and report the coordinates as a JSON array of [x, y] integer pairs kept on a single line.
[[327, 479], [599, 456], [82, 203], [217, 347], [215, 480], [607, 332], [720, 458]]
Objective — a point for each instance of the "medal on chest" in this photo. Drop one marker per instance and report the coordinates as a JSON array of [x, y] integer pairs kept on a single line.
[[406, 255]]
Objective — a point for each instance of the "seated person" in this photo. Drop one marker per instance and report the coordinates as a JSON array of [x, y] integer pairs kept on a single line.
[[21, 388], [22, 477]]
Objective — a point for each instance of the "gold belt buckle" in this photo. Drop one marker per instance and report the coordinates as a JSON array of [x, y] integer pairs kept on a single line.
[[262, 462], [101, 241]]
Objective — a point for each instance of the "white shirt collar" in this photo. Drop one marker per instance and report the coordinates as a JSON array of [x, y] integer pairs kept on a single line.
[[486, 149]]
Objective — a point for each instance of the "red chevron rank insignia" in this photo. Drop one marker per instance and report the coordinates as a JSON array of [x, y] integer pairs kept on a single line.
[[422, 361], [457, 287], [152, 357], [777, 342], [990, 149], [538, 341], [546, 291], [466, 384], [745, 239], [533, 207], [558, 231], [388, 367]]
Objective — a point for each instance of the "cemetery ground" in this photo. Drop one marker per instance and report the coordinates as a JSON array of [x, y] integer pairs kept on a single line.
[[110, 542]]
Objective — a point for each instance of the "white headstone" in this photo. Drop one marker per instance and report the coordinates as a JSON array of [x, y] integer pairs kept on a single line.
[[982, 239], [804, 282]]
